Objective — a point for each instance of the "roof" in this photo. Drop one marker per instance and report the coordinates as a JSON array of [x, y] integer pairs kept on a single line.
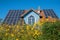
[[14, 16], [23, 15]]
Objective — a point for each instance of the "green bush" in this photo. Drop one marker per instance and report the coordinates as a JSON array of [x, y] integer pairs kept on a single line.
[[51, 31]]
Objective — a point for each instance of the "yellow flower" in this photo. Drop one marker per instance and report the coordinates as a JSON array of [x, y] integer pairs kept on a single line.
[[32, 28], [17, 39], [46, 19], [15, 30], [27, 27], [28, 33], [17, 26], [18, 32], [36, 31], [41, 24], [6, 34], [7, 29], [54, 21], [34, 25], [9, 26], [22, 30], [12, 35], [1, 28], [40, 33], [34, 36]]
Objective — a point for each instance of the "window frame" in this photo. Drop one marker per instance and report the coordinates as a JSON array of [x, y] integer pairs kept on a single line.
[[31, 20]]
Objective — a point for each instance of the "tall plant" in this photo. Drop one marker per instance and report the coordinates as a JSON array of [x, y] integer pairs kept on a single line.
[[51, 31]]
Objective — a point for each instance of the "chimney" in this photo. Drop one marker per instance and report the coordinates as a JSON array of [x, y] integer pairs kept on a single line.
[[38, 9]]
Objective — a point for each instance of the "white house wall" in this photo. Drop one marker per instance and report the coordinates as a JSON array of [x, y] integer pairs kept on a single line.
[[33, 14]]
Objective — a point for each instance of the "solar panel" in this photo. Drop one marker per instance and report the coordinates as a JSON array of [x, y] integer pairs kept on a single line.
[[49, 12], [55, 16], [13, 16], [45, 12], [10, 13], [7, 16], [52, 15], [7, 21], [13, 13]]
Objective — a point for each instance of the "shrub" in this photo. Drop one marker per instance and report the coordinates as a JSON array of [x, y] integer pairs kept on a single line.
[[51, 31]]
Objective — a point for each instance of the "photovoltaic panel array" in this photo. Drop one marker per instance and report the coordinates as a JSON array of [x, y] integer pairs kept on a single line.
[[49, 12], [13, 16]]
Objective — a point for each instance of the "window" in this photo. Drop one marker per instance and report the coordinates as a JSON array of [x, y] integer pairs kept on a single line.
[[31, 20]]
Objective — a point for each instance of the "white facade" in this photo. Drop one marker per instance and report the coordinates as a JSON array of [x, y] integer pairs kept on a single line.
[[36, 16]]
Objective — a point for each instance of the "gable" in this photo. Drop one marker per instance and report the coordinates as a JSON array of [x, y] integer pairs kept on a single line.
[[29, 13], [37, 17]]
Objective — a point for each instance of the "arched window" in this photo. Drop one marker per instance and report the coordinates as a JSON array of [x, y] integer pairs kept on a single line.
[[31, 20]]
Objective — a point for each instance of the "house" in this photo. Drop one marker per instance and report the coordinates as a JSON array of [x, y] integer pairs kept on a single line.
[[28, 16]]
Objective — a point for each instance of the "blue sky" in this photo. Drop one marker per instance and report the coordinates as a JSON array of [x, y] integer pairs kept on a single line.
[[6, 5]]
